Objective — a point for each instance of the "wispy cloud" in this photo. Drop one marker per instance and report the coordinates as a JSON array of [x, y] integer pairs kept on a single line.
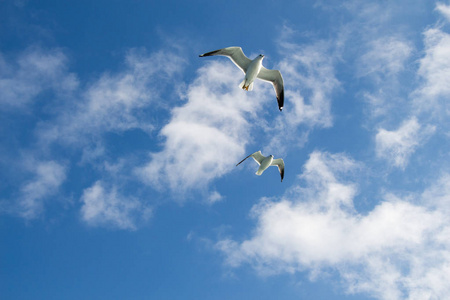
[[310, 81], [85, 113], [382, 60], [395, 78], [385, 56], [397, 146], [116, 102], [397, 250], [437, 196], [48, 177], [443, 9], [377, 57], [435, 71], [33, 71], [106, 207]]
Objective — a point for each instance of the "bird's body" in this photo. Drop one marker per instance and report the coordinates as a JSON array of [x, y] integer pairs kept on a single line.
[[252, 73], [253, 69], [265, 162]]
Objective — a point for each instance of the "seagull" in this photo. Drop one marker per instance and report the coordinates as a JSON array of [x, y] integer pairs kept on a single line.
[[253, 69], [265, 162]]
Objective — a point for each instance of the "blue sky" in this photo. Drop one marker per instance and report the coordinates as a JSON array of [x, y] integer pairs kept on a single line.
[[119, 145]]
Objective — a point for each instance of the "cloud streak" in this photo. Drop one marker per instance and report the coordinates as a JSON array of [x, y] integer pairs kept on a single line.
[[435, 71], [397, 146], [34, 71], [106, 207], [444, 10], [309, 72], [309, 77], [48, 177], [385, 55], [116, 102]]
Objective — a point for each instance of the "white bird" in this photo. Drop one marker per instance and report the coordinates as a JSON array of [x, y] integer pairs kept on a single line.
[[265, 162], [253, 69]]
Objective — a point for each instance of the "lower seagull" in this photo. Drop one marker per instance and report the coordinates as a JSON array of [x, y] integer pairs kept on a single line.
[[265, 162]]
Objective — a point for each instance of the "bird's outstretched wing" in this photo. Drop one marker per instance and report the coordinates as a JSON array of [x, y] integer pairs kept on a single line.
[[279, 162], [257, 156], [274, 76], [235, 54]]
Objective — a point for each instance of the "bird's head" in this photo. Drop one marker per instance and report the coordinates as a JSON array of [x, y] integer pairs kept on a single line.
[[262, 56]]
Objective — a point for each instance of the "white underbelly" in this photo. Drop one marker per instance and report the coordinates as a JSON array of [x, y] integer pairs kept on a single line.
[[264, 165], [252, 71]]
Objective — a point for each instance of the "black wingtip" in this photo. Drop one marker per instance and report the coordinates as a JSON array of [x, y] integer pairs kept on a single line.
[[210, 53], [280, 101], [280, 105], [243, 160]]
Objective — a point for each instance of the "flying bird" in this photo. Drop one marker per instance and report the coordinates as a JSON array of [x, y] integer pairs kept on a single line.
[[253, 69], [265, 162]]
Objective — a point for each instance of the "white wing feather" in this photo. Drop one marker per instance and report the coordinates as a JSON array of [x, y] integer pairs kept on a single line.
[[274, 76], [236, 55], [257, 156]]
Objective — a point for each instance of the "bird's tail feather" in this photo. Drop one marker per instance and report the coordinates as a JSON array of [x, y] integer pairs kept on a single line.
[[241, 85], [247, 88]]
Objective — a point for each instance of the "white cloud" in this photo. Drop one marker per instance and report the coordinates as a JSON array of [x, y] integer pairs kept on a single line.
[[116, 102], [309, 80], [399, 250], [443, 9], [380, 68], [435, 71], [397, 146], [108, 208], [34, 71], [378, 56], [377, 103], [214, 197], [206, 136], [49, 175], [437, 196], [386, 55]]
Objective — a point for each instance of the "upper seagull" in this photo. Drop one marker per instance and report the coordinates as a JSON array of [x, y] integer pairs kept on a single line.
[[265, 162], [253, 69]]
